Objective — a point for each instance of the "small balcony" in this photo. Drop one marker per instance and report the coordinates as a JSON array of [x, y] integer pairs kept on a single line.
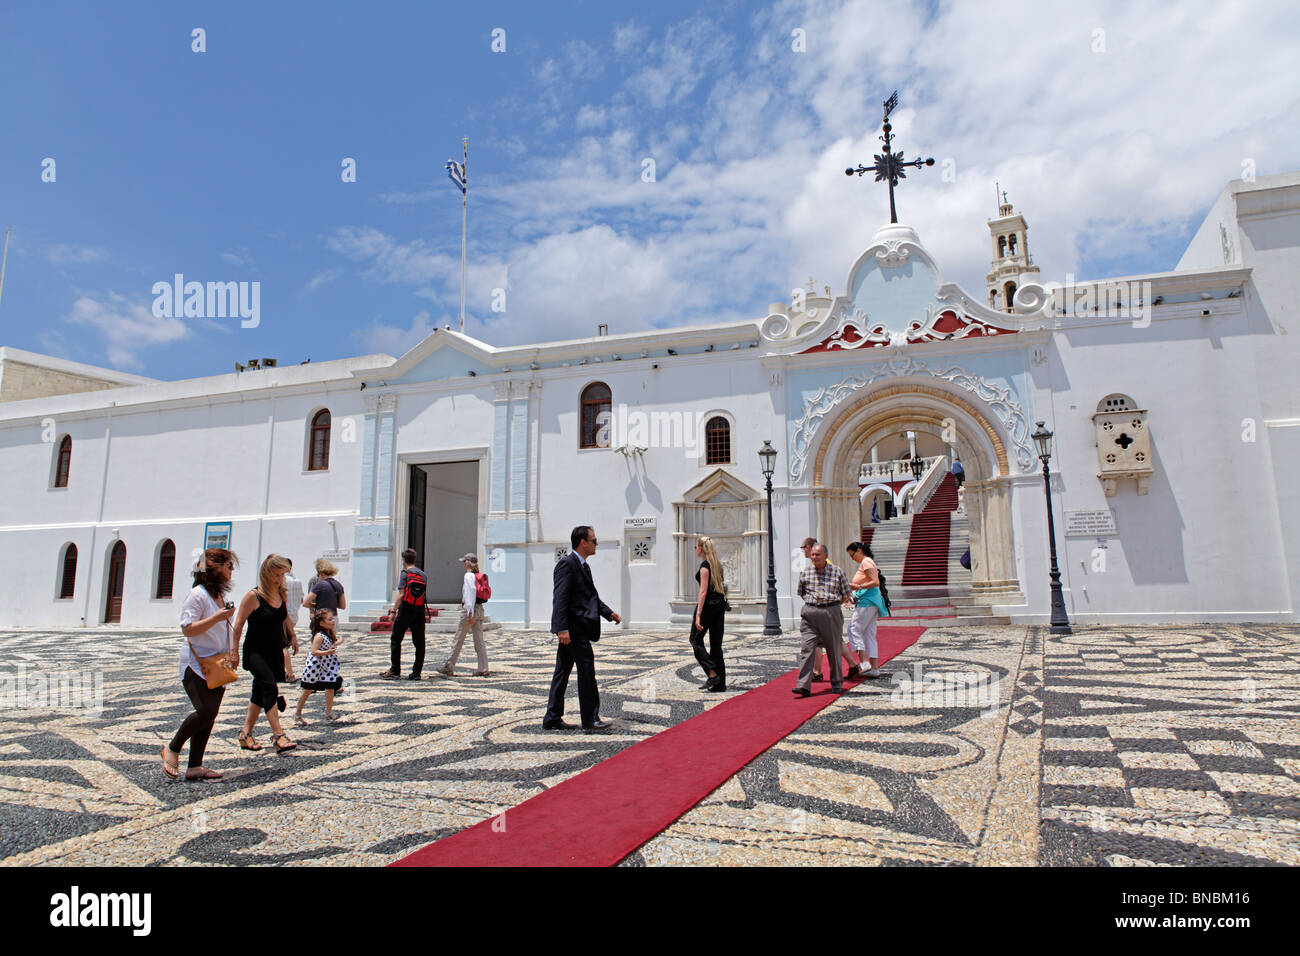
[[894, 470]]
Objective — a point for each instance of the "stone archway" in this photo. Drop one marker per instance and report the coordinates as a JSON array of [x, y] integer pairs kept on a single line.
[[848, 433]]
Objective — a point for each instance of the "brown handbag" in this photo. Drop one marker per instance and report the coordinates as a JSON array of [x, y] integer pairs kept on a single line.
[[216, 671]]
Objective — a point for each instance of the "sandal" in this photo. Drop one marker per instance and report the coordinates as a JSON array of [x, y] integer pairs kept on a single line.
[[300, 720], [278, 748], [246, 742], [171, 769], [202, 773], [482, 673]]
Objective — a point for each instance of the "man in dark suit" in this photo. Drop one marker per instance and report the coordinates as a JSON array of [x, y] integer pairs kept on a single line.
[[576, 610]]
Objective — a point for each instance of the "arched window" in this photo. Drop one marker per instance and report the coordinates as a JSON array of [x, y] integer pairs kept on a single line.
[[597, 402], [717, 441], [65, 462], [166, 570], [1011, 244], [1002, 247], [993, 298], [68, 584], [318, 458], [1009, 294]]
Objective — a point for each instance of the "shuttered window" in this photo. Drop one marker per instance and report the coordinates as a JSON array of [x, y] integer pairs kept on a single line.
[[166, 569], [320, 442], [69, 582], [65, 462]]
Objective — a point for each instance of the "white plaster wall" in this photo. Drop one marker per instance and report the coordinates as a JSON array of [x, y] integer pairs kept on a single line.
[[1205, 542], [171, 467], [601, 487], [1205, 250]]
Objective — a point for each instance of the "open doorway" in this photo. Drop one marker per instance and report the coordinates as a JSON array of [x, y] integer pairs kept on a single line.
[[442, 524]]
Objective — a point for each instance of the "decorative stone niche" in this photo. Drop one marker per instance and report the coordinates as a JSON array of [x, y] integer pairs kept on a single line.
[[1123, 443]]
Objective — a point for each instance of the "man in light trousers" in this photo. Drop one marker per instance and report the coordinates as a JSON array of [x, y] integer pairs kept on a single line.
[[824, 589]]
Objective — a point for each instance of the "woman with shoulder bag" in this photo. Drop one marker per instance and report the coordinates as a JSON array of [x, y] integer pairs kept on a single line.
[[710, 608], [205, 622], [265, 609]]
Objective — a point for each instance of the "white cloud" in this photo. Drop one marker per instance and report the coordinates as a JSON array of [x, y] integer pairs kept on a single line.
[[591, 117], [126, 327], [395, 340], [62, 254], [1111, 155], [238, 259], [322, 278]]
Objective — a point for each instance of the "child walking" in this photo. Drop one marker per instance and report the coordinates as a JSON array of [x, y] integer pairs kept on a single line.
[[322, 670]]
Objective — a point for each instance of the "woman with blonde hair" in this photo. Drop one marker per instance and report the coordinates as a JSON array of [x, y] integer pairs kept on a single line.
[[710, 608], [265, 609]]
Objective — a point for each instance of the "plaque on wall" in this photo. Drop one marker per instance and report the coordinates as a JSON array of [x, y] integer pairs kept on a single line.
[[1089, 524], [341, 555], [216, 534], [639, 524]]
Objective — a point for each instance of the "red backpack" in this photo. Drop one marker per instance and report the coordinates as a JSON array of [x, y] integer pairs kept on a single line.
[[413, 593], [482, 590]]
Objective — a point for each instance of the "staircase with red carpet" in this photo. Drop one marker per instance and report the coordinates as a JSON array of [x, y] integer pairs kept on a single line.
[[926, 564]]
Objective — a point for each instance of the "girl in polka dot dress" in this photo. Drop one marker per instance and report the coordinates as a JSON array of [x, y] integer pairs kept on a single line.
[[322, 670]]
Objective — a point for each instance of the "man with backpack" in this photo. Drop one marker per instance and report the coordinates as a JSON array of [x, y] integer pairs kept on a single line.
[[408, 615]]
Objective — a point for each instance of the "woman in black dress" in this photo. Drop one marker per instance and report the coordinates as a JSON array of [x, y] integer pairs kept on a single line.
[[710, 609], [265, 610]]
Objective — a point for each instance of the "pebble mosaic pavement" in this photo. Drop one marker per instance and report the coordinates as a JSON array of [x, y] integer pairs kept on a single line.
[[1120, 747]]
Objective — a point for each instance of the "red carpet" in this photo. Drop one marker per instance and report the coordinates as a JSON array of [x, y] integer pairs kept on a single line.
[[926, 564], [601, 815]]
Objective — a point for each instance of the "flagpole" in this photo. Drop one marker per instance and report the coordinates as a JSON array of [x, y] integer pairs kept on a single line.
[[464, 213], [4, 261]]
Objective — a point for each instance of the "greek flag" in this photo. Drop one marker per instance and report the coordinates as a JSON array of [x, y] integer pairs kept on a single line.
[[456, 173]]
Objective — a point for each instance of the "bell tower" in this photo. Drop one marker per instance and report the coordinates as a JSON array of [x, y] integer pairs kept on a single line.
[[1010, 256]]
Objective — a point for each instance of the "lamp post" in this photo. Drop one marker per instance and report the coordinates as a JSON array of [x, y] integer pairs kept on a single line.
[[917, 465], [772, 625], [1060, 621]]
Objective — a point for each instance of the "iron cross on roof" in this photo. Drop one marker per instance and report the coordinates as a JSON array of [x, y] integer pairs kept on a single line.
[[889, 165]]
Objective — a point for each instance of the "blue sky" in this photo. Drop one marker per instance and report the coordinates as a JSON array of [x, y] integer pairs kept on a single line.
[[225, 165]]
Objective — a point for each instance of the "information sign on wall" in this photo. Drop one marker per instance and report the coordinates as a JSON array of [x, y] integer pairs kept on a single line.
[[1089, 524]]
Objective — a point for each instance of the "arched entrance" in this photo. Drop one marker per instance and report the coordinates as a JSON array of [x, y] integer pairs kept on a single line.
[[960, 421], [116, 576]]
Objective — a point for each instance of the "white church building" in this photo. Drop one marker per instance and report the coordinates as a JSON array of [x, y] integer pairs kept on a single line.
[[1173, 398]]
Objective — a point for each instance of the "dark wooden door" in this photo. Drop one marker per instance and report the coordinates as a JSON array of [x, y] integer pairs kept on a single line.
[[116, 572], [415, 517]]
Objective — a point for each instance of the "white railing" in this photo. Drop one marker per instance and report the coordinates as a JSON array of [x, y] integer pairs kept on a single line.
[[896, 469]]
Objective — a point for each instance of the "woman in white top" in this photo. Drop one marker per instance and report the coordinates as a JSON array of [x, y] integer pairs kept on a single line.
[[471, 618], [205, 622]]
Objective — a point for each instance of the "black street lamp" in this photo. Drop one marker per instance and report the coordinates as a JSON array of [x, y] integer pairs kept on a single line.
[[772, 625], [1060, 621], [917, 466]]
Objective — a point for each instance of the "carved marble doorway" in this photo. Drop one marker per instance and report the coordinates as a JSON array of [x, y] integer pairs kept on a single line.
[[848, 432]]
